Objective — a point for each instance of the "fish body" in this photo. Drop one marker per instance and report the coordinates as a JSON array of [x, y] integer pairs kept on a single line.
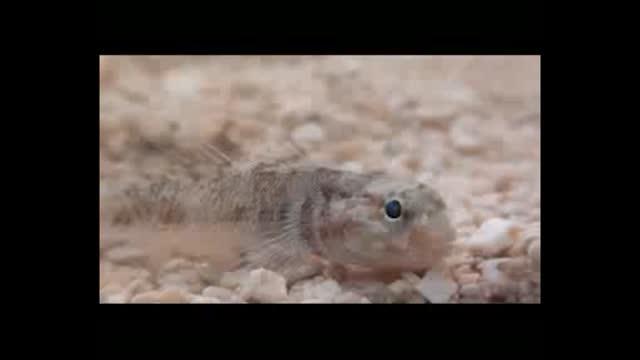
[[306, 219]]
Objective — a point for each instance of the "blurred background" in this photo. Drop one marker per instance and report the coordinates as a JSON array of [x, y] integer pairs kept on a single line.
[[469, 125]]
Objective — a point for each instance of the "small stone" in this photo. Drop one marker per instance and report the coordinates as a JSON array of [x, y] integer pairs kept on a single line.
[[350, 297], [468, 278], [116, 298], [208, 274], [326, 290], [197, 299], [170, 296], [494, 236], [352, 166], [375, 292], [187, 280], [412, 278], [517, 269], [437, 115], [264, 286], [534, 253], [315, 301], [139, 286], [491, 270], [223, 294], [233, 279], [309, 132], [401, 286], [436, 287], [126, 256], [114, 294], [463, 140], [470, 290]]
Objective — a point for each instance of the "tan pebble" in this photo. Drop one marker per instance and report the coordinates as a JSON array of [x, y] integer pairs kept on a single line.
[[534, 253], [412, 278], [171, 296], [139, 286], [124, 275], [472, 301], [491, 271], [197, 299], [471, 291], [126, 256], [233, 279], [515, 268], [464, 140], [504, 183], [348, 150], [114, 294], [350, 297], [315, 301], [263, 286], [401, 286], [221, 293], [187, 279], [247, 129], [465, 274]]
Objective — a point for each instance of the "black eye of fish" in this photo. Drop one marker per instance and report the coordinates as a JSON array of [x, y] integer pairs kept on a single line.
[[393, 209]]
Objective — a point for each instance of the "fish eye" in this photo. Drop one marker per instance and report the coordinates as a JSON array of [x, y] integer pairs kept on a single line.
[[393, 209]]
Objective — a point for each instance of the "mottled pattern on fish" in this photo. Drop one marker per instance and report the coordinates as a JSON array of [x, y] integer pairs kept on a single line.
[[307, 219]]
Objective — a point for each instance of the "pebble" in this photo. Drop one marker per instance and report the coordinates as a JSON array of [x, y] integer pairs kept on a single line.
[[327, 290], [139, 286], [436, 287], [315, 301], [534, 253], [114, 294], [463, 140], [223, 294], [197, 299], [471, 291], [491, 270], [233, 279], [350, 297], [494, 236], [126, 256], [187, 279], [263, 286], [468, 278], [169, 296], [307, 133]]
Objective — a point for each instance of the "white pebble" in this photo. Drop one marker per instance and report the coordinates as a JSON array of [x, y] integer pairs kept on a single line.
[[233, 279], [314, 301], [264, 286], [436, 287], [491, 270], [326, 290], [308, 133], [169, 296], [187, 279], [222, 294], [494, 236], [197, 299], [350, 297], [126, 256]]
